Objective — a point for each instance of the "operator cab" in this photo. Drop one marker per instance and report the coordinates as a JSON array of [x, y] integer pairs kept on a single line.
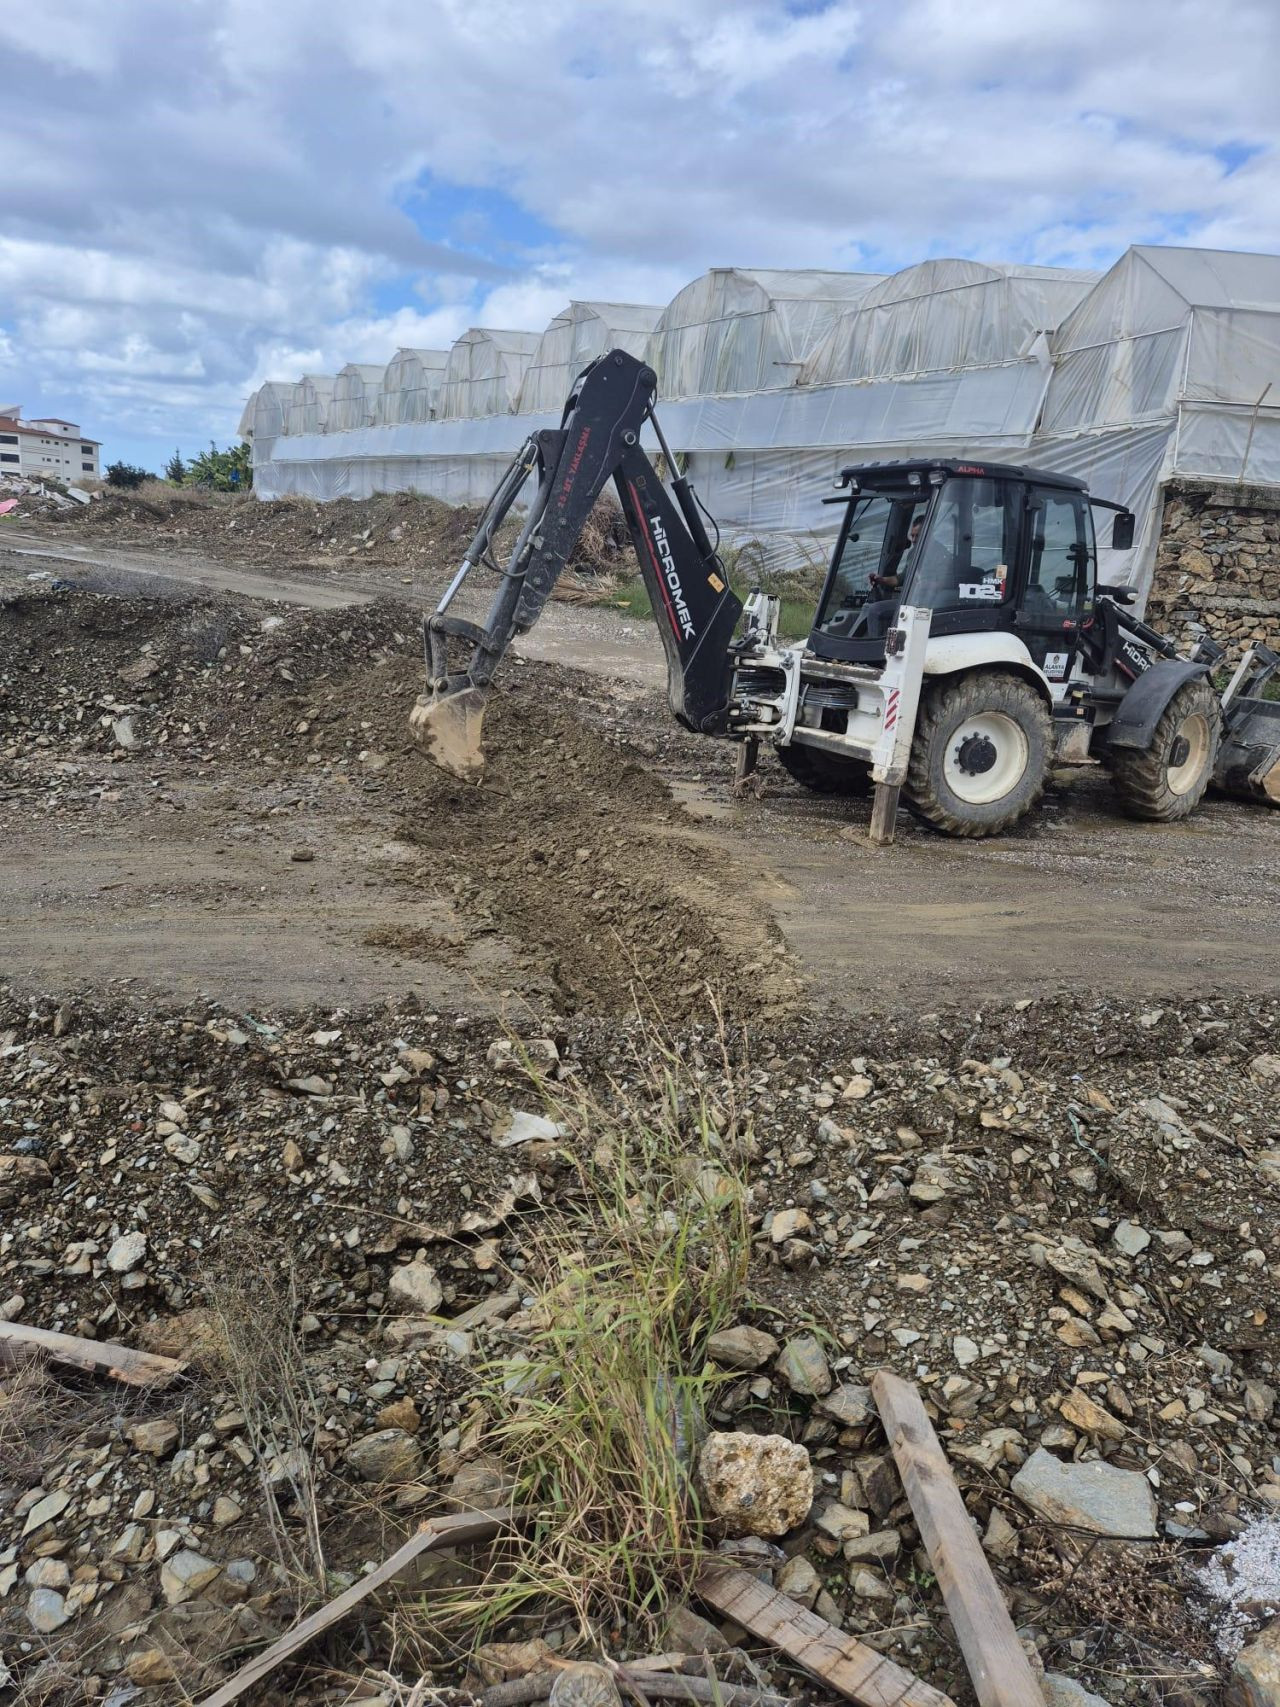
[[984, 546]]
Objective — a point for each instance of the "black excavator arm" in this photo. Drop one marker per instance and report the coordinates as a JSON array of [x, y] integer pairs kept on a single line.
[[696, 611]]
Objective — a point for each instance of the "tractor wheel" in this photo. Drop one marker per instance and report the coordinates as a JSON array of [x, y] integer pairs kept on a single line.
[[980, 754], [1168, 780], [824, 773]]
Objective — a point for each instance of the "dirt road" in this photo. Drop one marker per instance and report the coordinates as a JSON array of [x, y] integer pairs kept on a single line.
[[1081, 899]]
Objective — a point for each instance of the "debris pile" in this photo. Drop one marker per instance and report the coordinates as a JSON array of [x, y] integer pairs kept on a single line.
[[1069, 1246]]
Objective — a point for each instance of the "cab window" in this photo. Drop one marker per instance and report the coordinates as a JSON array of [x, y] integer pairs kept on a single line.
[[1060, 566], [964, 563]]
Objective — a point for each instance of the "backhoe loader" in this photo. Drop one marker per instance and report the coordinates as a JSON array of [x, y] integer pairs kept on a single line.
[[961, 643]]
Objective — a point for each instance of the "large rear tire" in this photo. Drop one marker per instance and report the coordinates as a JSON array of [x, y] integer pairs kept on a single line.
[[980, 754], [824, 773], [1168, 780]]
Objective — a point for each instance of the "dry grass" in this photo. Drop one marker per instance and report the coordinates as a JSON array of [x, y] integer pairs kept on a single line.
[[255, 1301], [599, 1413]]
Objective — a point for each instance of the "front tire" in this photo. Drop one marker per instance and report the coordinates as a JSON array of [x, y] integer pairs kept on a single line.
[[1168, 780], [980, 754]]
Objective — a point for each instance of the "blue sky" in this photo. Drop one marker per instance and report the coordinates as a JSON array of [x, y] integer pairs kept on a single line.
[[198, 198]]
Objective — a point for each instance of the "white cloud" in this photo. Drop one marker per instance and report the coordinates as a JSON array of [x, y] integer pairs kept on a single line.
[[200, 198]]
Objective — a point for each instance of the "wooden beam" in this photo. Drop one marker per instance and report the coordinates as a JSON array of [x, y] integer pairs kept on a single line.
[[998, 1665], [439, 1532], [840, 1661], [99, 1357], [884, 813]]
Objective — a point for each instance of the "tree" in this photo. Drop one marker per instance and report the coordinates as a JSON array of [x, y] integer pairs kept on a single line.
[[125, 474], [175, 469], [229, 470]]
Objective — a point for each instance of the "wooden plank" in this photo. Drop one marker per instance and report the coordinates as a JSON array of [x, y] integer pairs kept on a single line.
[[884, 813], [439, 1532], [1001, 1673], [99, 1357], [841, 1661]]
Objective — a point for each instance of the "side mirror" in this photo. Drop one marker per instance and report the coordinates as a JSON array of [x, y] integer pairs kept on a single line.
[[1122, 531]]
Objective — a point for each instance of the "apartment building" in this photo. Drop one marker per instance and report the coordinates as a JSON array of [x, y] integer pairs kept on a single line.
[[46, 447]]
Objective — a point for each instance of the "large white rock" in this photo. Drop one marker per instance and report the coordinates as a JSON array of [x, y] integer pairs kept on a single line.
[[1093, 1496], [415, 1289], [127, 1252], [759, 1484], [1063, 1691]]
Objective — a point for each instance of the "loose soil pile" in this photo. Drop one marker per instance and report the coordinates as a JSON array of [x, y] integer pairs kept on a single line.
[[402, 530]]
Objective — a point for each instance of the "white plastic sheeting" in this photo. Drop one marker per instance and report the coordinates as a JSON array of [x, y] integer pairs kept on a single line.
[[736, 329], [942, 315], [355, 396], [411, 387], [308, 409], [484, 371], [244, 429], [1160, 367], [583, 331]]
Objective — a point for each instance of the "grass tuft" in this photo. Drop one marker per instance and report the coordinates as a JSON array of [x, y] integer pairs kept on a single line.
[[599, 1412]]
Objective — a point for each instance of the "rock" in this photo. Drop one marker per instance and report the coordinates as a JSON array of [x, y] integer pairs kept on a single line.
[[225, 1512], [537, 1056], [867, 1585], [850, 1404], [401, 1413], [1001, 1539], [879, 1544], [687, 1633], [20, 1174], [1264, 1070], [496, 1662], [127, 1252], [1259, 1400], [584, 1685], [154, 1438], [741, 1347], [185, 1573], [415, 1289], [798, 1579], [1131, 1239], [788, 1224], [965, 1351], [1255, 1677], [802, 1364], [880, 1486], [842, 1522], [148, 1667], [1075, 1262], [1085, 1413], [45, 1510], [49, 1573], [759, 1484], [390, 1455], [1093, 1496], [1060, 1691], [46, 1611], [302, 856]]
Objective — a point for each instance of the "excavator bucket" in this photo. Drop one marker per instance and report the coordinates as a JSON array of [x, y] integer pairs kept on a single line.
[[447, 726], [1249, 757]]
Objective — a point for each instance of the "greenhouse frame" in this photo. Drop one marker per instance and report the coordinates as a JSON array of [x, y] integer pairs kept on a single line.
[[1167, 365]]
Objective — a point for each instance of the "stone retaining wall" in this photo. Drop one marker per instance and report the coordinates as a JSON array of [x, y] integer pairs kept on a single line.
[[1218, 564]]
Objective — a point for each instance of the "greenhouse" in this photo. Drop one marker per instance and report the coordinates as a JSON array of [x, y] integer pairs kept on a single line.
[[410, 388], [355, 395], [734, 330], [575, 337], [769, 382], [483, 373], [308, 409]]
